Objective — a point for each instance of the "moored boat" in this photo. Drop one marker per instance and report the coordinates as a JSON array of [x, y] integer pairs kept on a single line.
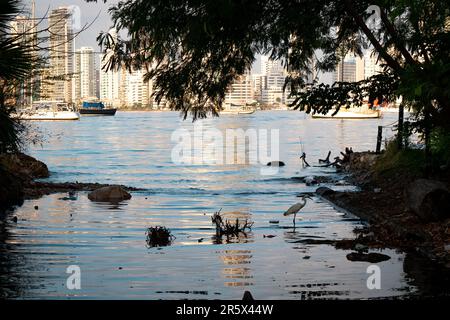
[[238, 109], [96, 108], [48, 110], [363, 112]]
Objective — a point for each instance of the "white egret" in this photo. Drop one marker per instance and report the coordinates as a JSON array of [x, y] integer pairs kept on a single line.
[[297, 207]]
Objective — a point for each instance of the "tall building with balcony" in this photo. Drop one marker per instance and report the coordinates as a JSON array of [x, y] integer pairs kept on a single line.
[[61, 53]]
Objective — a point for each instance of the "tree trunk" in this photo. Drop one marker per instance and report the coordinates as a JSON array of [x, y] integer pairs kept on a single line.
[[400, 133], [427, 134]]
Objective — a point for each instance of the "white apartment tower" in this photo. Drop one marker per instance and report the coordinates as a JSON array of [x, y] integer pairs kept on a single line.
[[110, 86], [84, 75], [371, 65], [137, 92], [61, 53], [241, 91], [272, 83], [23, 31]]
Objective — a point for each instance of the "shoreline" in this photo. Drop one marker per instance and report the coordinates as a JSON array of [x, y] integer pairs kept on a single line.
[[367, 244], [390, 223], [19, 174]]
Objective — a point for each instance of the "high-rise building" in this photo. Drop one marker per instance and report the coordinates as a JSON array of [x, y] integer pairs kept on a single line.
[[270, 66], [23, 32], [23, 29], [137, 91], [371, 65], [240, 92], [84, 75], [345, 71], [272, 83], [110, 85], [61, 53], [360, 69], [257, 85], [357, 68]]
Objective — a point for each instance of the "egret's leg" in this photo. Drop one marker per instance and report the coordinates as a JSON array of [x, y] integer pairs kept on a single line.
[[294, 219]]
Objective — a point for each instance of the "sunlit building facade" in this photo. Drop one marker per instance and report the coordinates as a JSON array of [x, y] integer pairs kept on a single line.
[[61, 53]]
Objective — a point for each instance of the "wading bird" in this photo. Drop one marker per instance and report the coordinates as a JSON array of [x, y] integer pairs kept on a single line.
[[297, 207]]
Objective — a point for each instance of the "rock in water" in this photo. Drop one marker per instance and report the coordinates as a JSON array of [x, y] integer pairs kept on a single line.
[[367, 257], [109, 194], [276, 164], [324, 191], [428, 199], [25, 167]]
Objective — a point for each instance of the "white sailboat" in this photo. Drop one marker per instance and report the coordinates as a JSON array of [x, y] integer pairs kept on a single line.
[[48, 110]]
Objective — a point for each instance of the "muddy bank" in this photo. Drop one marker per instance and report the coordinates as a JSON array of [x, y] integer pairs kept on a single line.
[[18, 174], [382, 202]]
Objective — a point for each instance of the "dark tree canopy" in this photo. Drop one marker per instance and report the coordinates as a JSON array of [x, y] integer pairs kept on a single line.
[[194, 49], [16, 63]]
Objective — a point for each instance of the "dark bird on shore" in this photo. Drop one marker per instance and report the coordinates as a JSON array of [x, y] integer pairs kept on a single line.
[[327, 159], [297, 207], [303, 158]]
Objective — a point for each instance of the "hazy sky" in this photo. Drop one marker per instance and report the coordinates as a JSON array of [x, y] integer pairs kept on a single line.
[[88, 14]]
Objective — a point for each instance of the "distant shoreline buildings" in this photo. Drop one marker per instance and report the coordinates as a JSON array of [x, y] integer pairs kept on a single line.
[[76, 75]]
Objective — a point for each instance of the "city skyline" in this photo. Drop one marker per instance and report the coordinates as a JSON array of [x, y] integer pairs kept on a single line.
[[71, 54]]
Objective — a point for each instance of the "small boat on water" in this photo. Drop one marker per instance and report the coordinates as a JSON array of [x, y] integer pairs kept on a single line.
[[48, 110], [238, 109], [363, 112], [96, 108]]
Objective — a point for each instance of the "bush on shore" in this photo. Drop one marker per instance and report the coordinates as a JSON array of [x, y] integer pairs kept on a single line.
[[411, 163]]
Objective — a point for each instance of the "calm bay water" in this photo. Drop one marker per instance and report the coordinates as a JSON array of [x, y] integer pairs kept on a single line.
[[108, 241]]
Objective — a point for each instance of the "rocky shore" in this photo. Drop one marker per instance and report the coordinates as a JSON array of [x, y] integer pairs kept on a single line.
[[18, 174], [401, 210], [382, 201]]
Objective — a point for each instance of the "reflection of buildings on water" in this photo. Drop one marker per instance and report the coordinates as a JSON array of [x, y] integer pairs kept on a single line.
[[237, 271]]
